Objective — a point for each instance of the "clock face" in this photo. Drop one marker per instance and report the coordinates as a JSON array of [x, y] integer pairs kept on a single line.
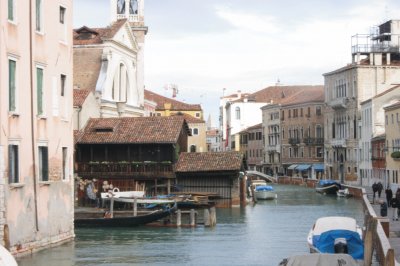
[[133, 6], [121, 6]]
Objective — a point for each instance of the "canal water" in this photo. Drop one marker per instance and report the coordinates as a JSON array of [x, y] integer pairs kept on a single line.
[[260, 234]]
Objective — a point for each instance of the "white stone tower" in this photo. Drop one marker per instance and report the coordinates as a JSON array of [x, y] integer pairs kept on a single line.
[[133, 11]]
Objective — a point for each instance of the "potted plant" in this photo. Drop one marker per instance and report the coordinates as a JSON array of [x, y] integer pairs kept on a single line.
[[395, 155]]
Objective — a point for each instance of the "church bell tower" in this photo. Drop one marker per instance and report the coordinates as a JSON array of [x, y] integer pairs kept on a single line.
[[133, 11]]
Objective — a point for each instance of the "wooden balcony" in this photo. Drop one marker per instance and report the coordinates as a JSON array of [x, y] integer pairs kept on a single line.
[[125, 169]]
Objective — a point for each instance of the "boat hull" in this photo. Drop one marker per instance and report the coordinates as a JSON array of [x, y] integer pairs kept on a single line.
[[128, 221], [330, 189], [265, 195]]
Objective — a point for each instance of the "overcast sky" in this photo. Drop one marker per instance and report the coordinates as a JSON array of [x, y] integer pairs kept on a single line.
[[205, 46]]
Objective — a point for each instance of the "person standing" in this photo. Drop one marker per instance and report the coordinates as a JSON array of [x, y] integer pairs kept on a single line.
[[393, 203], [374, 189], [398, 203], [389, 196], [379, 188]]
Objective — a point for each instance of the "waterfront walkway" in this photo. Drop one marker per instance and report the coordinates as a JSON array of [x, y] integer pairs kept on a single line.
[[394, 226]]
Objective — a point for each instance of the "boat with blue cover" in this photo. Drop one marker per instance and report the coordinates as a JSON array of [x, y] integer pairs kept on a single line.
[[336, 234], [328, 187], [263, 191]]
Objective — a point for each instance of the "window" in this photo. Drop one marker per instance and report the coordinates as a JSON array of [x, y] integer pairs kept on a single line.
[[121, 7], [319, 152], [64, 163], [39, 90], [318, 110], [43, 163], [237, 110], [197, 114], [39, 15], [11, 10], [62, 14], [133, 7], [12, 66], [192, 148], [195, 131], [62, 81], [13, 172]]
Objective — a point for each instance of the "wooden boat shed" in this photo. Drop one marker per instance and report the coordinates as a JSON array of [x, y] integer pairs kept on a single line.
[[212, 172], [131, 153]]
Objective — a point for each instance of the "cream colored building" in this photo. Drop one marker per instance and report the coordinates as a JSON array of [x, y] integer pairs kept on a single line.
[[392, 127], [374, 68], [36, 144]]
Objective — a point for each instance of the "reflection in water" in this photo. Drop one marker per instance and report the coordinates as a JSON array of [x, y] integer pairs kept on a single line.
[[261, 234]]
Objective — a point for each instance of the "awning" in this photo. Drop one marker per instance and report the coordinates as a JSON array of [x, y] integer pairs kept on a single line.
[[292, 166], [303, 167], [318, 167]]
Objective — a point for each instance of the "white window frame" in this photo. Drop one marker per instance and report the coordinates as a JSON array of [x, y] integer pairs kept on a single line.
[[195, 131], [41, 24], [40, 162], [14, 11], [43, 114], [12, 181]]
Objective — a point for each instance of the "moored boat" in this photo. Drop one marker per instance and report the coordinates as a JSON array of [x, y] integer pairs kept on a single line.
[[343, 193], [265, 192], [336, 234], [319, 259], [116, 219], [327, 187]]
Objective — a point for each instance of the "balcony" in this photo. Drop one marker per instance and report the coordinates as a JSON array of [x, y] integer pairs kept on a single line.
[[294, 141], [338, 143], [125, 169], [274, 148], [339, 103]]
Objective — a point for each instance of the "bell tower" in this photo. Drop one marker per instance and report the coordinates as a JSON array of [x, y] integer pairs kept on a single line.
[[133, 11]]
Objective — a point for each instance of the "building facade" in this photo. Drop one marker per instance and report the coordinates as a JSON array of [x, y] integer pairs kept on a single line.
[[36, 143], [374, 68], [392, 148]]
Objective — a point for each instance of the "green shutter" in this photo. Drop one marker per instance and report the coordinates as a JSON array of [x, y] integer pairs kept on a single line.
[[11, 10], [11, 85], [38, 15], [39, 85]]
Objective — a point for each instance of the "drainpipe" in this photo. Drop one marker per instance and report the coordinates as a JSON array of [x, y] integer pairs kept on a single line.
[[33, 116]]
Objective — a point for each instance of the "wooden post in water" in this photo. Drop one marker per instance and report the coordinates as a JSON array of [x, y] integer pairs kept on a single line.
[[192, 218], [253, 194], [368, 241], [178, 218], [213, 216], [390, 258], [207, 221], [135, 206], [112, 207]]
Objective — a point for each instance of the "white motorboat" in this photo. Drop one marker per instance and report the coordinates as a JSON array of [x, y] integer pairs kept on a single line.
[[343, 193], [336, 234], [262, 191]]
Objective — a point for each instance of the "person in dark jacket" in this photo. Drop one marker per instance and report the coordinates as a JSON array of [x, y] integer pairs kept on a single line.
[[379, 188], [374, 189], [389, 196], [393, 203]]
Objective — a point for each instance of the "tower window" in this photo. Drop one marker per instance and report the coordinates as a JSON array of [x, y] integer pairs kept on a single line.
[[62, 14]]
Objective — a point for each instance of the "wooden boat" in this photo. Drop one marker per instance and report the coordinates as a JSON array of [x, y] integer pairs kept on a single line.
[[123, 221], [336, 235], [319, 259], [327, 187]]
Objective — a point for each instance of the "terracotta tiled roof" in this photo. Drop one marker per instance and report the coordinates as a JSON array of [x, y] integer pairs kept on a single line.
[[275, 94], [212, 132], [159, 129], [85, 35], [306, 95], [175, 105], [190, 119], [209, 161], [80, 97]]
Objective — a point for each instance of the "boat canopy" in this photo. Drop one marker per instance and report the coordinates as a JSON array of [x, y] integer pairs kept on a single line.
[[318, 167], [325, 224], [325, 242], [303, 167], [326, 182], [264, 188], [292, 167]]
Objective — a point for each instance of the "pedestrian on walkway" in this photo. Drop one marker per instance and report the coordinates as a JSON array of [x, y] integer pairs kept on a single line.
[[398, 202], [380, 188], [374, 189], [389, 195], [393, 203]]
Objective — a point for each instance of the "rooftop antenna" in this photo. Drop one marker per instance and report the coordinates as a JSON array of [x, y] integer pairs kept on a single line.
[[173, 88]]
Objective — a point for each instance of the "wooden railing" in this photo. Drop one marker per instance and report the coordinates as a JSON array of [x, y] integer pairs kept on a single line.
[[123, 168]]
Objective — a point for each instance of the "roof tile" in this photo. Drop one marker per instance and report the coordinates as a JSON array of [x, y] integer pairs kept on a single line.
[[209, 161]]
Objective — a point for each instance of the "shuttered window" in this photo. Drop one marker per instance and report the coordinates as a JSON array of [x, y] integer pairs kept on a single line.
[[43, 163], [12, 65], [64, 162], [13, 163], [11, 10], [39, 86], [63, 78], [39, 15]]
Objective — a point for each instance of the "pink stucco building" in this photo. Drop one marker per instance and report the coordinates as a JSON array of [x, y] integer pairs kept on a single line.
[[36, 144]]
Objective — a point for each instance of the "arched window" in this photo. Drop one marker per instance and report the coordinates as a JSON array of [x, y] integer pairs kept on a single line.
[[237, 111], [192, 148]]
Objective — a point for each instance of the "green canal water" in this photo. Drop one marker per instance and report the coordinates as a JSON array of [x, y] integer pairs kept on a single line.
[[262, 234]]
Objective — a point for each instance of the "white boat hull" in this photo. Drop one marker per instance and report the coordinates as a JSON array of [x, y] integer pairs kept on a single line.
[[264, 195]]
